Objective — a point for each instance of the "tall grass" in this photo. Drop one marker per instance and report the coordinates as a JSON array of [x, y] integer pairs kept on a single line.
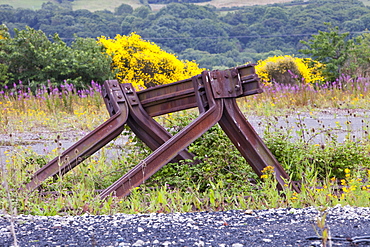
[[330, 173], [50, 108]]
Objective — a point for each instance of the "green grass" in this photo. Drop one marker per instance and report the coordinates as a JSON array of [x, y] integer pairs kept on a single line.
[[94, 5], [330, 174], [34, 4], [91, 5]]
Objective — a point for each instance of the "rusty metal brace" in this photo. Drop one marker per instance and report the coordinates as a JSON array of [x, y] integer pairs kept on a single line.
[[214, 93]]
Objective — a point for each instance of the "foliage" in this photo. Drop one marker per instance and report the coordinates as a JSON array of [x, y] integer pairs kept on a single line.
[[211, 164], [32, 58], [4, 35], [331, 48], [145, 64], [289, 70], [123, 9], [302, 158], [222, 37], [221, 181], [357, 64]]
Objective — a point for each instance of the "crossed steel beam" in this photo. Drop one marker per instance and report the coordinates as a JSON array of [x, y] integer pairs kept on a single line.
[[213, 92]]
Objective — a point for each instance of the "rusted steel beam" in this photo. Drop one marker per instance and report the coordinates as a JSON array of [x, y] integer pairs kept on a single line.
[[214, 94], [89, 144], [168, 98], [145, 127], [124, 108], [161, 156], [249, 144], [180, 95]]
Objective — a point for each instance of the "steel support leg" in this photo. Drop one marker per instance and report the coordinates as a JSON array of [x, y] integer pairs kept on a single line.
[[145, 127], [81, 150], [161, 156], [249, 144]]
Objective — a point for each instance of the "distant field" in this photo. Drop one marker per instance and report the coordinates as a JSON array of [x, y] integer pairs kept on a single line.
[[34, 4], [91, 5], [94, 5], [232, 3]]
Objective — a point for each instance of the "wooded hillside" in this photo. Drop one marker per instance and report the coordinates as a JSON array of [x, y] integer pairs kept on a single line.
[[213, 37]]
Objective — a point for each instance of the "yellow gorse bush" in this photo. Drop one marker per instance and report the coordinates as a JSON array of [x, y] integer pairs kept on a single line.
[[145, 64], [289, 69]]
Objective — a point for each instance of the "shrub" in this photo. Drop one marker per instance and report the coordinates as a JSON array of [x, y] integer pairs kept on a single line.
[[211, 163], [145, 64], [289, 70], [32, 58]]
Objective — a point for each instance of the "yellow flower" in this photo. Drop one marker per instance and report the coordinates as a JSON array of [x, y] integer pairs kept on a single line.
[[145, 64], [302, 69], [267, 169]]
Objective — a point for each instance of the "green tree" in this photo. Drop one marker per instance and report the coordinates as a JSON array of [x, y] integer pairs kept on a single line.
[[123, 9], [331, 48], [358, 62], [32, 58], [4, 37]]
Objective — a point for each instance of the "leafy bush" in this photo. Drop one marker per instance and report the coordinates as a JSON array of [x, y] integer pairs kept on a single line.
[[32, 58], [289, 70], [301, 158], [145, 64], [212, 163]]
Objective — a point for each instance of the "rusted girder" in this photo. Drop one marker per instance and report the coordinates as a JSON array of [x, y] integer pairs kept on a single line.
[[213, 92], [161, 156], [124, 108], [89, 144]]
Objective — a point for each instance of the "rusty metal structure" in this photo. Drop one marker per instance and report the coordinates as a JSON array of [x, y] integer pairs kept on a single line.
[[213, 92]]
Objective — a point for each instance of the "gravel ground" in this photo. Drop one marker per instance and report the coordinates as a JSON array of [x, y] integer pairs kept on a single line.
[[275, 227]]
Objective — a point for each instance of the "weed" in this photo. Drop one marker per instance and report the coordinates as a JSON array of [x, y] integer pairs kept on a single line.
[[330, 170], [323, 231]]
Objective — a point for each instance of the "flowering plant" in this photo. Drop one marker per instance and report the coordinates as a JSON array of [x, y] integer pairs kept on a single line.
[[145, 64], [289, 70]]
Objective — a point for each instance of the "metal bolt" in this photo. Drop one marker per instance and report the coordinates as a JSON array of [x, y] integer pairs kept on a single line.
[[120, 96]]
